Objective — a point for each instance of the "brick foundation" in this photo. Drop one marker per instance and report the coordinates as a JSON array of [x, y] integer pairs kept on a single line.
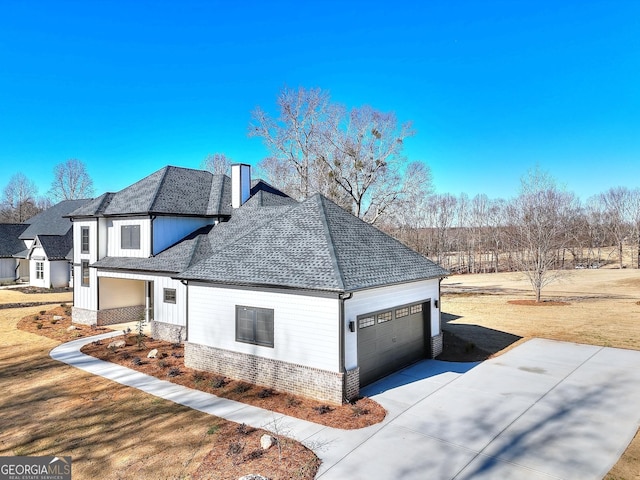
[[120, 315], [168, 332], [353, 383], [436, 345], [83, 316], [285, 377]]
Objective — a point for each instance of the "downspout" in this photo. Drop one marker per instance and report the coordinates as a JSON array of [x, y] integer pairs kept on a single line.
[[342, 326], [152, 218], [186, 309]]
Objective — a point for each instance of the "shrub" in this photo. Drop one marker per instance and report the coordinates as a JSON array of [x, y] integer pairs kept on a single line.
[[213, 429], [136, 361], [254, 455], [173, 372], [218, 382], [358, 411], [162, 363], [198, 377], [125, 355], [39, 326], [322, 409], [242, 387], [234, 448], [292, 401], [243, 429], [42, 312], [265, 393]]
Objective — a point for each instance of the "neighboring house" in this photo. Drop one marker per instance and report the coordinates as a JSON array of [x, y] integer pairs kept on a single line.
[[10, 245], [301, 297], [48, 241]]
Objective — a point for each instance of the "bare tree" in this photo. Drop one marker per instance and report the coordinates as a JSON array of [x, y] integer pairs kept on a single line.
[[71, 181], [216, 163], [538, 218], [19, 201], [617, 204]]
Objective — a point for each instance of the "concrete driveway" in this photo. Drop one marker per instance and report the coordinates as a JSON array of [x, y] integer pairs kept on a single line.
[[543, 410]]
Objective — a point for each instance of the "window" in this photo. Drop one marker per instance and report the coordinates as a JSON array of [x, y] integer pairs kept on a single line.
[[402, 312], [254, 325], [84, 267], [169, 295], [130, 237], [84, 240], [364, 322], [40, 270], [416, 309], [384, 317]]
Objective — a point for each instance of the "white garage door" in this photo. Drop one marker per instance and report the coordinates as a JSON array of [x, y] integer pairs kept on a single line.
[[391, 339]]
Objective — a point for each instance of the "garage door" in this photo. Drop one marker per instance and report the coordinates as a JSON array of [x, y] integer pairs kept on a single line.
[[391, 339]]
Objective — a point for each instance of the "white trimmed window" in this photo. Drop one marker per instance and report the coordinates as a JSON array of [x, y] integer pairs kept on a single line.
[[40, 270]]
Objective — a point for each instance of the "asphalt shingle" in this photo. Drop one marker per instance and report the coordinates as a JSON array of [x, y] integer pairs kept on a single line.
[[10, 242], [52, 221]]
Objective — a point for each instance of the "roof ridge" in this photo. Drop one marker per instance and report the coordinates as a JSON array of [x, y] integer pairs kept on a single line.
[[330, 245], [160, 184]]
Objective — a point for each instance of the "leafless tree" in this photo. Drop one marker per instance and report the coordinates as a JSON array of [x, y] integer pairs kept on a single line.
[[71, 181], [19, 201], [538, 218], [216, 163], [617, 206]]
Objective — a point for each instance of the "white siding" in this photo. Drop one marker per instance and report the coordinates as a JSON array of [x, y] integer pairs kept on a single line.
[[8, 269], [168, 230], [58, 273], [386, 297], [305, 327], [113, 233], [85, 297], [38, 256]]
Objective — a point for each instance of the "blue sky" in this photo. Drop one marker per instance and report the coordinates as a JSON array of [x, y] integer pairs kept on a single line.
[[493, 88]]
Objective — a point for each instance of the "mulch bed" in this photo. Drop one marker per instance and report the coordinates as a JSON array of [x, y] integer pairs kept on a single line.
[[542, 303], [29, 289], [169, 365]]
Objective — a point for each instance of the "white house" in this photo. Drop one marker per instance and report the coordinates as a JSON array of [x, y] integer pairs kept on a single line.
[[301, 297], [10, 245]]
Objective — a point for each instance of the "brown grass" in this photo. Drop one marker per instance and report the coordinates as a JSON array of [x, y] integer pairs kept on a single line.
[[112, 431], [598, 307]]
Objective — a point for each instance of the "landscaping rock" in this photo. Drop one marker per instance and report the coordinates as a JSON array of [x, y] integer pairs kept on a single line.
[[153, 353], [70, 328], [253, 476], [117, 344], [267, 441], [58, 317]]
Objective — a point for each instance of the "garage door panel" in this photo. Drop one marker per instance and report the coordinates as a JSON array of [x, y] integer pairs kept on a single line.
[[384, 347]]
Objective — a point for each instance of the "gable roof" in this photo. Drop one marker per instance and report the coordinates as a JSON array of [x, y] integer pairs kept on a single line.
[[10, 242], [52, 221], [168, 191], [315, 245], [56, 247]]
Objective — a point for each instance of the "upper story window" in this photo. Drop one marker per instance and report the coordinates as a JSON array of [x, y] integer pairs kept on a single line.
[[130, 237], [84, 240]]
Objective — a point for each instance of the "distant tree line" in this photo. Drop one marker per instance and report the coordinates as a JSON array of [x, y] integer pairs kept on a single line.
[[20, 199]]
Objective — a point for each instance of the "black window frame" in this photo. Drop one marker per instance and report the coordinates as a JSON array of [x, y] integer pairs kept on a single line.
[[84, 273], [172, 293], [130, 237], [249, 325], [84, 239]]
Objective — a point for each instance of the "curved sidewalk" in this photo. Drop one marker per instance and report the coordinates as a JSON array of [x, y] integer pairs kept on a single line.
[[544, 409]]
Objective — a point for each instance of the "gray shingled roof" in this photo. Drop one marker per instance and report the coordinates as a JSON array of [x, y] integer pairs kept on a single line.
[[169, 191], [10, 242], [56, 247], [315, 245], [52, 221]]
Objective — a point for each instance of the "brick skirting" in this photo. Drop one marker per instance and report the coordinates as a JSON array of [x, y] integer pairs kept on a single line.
[[83, 316], [168, 332], [120, 315], [286, 377]]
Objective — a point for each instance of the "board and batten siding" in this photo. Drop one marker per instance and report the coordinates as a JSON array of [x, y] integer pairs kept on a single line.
[[85, 297], [372, 300], [305, 327], [114, 227], [8, 269], [173, 313], [168, 230]]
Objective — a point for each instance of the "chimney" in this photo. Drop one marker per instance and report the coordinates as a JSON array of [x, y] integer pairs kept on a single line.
[[240, 184]]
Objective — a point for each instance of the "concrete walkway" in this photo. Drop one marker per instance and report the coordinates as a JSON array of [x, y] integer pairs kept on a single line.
[[543, 410]]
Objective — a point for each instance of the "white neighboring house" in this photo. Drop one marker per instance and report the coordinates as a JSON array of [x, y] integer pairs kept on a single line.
[[45, 260], [10, 245], [301, 297]]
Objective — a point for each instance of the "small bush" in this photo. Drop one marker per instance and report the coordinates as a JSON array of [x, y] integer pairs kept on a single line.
[[39, 326], [322, 409], [136, 361], [176, 355], [213, 429], [292, 402], [42, 312], [173, 372], [265, 393], [243, 429], [242, 388], [97, 342], [198, 377], [125, 355], [235, 448], [54, 321], [218, 382], [358, 411], [162, 363], [254, 455]]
